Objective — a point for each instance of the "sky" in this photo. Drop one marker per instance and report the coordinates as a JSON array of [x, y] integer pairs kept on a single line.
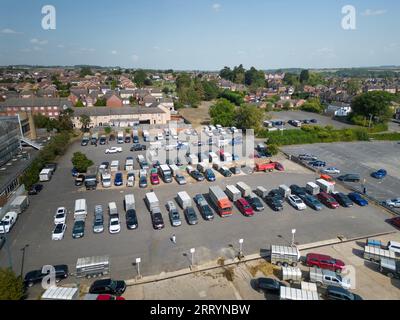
[[201, 34]]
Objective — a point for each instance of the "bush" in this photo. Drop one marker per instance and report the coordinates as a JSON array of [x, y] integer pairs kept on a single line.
[[81, 162], [107, 130], [389, 136], [11, 286], [273, 149]]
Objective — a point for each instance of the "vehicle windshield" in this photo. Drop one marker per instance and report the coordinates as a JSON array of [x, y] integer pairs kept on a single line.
[[60, 216], [58, 229], [114, 222]]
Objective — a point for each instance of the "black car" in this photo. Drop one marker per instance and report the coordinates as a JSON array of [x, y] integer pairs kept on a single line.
[[343, 200], [157, 220], [298, 191], [307, 157], [275, 203], [314, 121], [339, 293], [269, 285], [255, 203], [138, 147], [103, 141], [131, 219], [36, 276], [225, 173], [277, 194], [127, 139], [79, 229], [35, 189], [235, 170], [191, 216], [350, 178], [197, 175], [135, 139], [108, 286]]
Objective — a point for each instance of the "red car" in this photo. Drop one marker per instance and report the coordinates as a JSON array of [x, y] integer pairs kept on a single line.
[[108, 297], [154, 179], [244, 207], [328, 200], [395, 222], [324, 262]]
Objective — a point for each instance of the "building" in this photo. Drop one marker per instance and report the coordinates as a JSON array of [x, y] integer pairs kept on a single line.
[[338, 109], [10, 133], [50, 107], [122, 117]]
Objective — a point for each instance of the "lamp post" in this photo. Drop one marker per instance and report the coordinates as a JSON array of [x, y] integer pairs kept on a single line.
[[23, 258], [192, 251], [293, 234], [370, 120], [138, 261], [241, 247]]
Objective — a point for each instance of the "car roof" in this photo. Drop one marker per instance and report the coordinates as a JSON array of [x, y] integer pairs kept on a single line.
[[319, 256]]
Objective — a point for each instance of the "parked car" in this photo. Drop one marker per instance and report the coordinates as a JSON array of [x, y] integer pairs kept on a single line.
[[180, 179], [324, 262], [269, 285], [35, 189], [298, 191], [118, 180], [61, 216], [276, 193], [209, 174], [36, 276], [350, 178], [244, 207], [339, 293], [191, 216], [174, 215], [358, 199], [131, 219], [317, 163], [113, 150], [197, 175], [393, 203], [108, 286], [255, 203], [143, 182], [78, 230], [157, 220], [115, 225], [98, 223], [127, 139], [331, 170], [328, 200], [296, 202], [135, 139], [343, 200], [307, 157], [58, 232], [138, 147], [204, 208], [312, 202], [235, 170], [80, 180], [380, 174], [154, 178]]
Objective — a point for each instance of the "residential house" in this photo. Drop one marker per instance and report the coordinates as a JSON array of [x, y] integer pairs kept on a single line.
[[148, 100], [114, 101], [338, 109]]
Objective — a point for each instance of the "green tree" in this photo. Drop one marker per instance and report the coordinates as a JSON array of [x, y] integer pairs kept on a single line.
[[353, 86], [255, 78], [107, 130], [64, 120], [250, 117], [165, 90], [85, 71], [210, 89], [101, 102], [84, 119], [273, 149], [233, 97], [226, 73], [79, 104], [304, 76], [223, 113], [11, 286], [375, 104], [81, 162], [313, 105], [139, 78], [40, 120]]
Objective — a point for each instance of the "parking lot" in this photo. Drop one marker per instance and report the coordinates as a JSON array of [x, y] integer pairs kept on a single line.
[[213, 239], [362, 158]]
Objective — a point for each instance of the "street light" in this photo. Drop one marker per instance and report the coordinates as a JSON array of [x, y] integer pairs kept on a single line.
[[241, 247], [23, 258], [192, 251], [293, 233], [138, 260]]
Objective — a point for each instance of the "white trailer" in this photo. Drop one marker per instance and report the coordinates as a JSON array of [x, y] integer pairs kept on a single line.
[[285, 190], [19, 204], [244, 189], [325, 186], [184, 200], [80, 211], [233, 193], [114, 166], [93, 267], [152, 201], [287, 293], [261, 192], [375, 254], [59, 293], [312, 188], [282, 255], [45, 175], [129, 165], [291, 275], [129, 202], [174, 169]]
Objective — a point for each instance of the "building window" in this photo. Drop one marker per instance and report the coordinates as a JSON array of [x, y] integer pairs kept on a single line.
[[55, 108], [41, 108], [56, 113], [50, 114], [29, 108]]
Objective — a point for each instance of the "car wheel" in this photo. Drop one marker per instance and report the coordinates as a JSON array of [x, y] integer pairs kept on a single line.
[[390, 275], [278, 263], [30, 284], [285, 264], [338, 271]]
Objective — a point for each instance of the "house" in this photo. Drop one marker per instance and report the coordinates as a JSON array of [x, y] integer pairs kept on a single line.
[[27, 94], [126, 94], [338, 109], [168, 103], [148, 100], [114, 101], [156, 93]]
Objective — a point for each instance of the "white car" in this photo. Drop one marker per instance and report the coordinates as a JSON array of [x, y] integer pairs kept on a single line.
[[114, 150], [393, 203], [115, 225], [59, 231], [331, 171], [61, 216], [8, 222], [296, 202]]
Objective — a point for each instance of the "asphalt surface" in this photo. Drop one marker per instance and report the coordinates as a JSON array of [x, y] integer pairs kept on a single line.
[[218, 238], [362, 158]]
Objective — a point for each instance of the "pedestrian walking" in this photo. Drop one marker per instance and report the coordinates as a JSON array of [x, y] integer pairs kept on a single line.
[[173, 239]]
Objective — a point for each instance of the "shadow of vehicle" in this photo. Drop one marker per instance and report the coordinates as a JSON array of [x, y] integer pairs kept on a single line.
[[359, 253]]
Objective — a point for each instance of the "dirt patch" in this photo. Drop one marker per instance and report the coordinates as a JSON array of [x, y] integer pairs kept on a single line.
[[197, 116], [229, 274], [265, 268]]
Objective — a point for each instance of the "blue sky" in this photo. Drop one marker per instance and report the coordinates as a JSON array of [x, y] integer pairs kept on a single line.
[[201, 34]]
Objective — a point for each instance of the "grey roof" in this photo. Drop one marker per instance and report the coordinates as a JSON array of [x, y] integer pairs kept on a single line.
[[107, 111], [36, 102]]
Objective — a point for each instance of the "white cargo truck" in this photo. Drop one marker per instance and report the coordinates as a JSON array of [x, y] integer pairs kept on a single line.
[[285, 190], [233, 193], [184, 200], [287, 293], [312, 188], [19, 204], [284, 256], [80, 211], [129, 202], [261, 192], [60, 294], [152, 201], [325, 186], [45, 175], [291, 275], [375, 254], [244, 189], [174, 169]]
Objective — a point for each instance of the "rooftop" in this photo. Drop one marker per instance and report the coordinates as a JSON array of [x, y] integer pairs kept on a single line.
[[107, 111]]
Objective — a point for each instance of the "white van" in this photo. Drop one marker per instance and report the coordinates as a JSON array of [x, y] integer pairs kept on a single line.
[[106, 179], [112, 208], [129, 202], [45, 175], [114, 166], [394, 246], [80, 209]]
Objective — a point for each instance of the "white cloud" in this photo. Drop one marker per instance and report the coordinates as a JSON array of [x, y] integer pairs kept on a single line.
[[61, 46], [216, 7], [114, 52], [39, 42], [370, 12], [9, 31], [157, 48], [36, 48], [325, 52]]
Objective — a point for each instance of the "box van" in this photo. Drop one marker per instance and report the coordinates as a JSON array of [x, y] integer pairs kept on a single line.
[[112, 208], [80, 212], [45, 175], [129, 202], [394, 246], [114, 166]]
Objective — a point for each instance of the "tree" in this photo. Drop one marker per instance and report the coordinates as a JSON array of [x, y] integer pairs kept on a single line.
[[353, 86], [313, 105], [81, 162], [226, 73], [304, 76], [79, 104], [210, 89], [101, 102], [40, 120], [223, 113], [273, 149], [140, 77], [84, 119], [107, 130], [233, 97], [291, 79], [64, 120], [165, 90], [11, 286], [85, 71], [374, 104], [255, 78], [250, 117]]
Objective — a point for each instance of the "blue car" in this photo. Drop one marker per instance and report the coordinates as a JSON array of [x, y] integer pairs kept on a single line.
[[210, 176], [380, 174], [74, 172], [317, 163], [358, 199], [118, 181]]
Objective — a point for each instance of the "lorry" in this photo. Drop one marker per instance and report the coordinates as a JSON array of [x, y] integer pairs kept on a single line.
[[80, 211], [375, 254], [220, 201], [233, 193], [291, 275], [325, 186], [91, 182], [90, 267], [285, 190], [192, 159], [19, 204], [142, 162], [85, 139], [129, 202], [152, 201], [203, 166], [390, 267], [174, 169], [326, 278], [184, 200], [284, 256], [45, 175], [312, 188], [244, 189], [106, 179], [165, 173], [94, 138], [129, 165]]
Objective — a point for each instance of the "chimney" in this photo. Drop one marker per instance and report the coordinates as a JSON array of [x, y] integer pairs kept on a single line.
[[32, 127]]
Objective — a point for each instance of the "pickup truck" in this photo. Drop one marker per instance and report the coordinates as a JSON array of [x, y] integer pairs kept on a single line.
[[326, 278]]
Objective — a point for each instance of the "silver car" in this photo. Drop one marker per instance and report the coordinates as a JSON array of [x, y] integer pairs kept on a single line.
[[393, 203], [98, 223]]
